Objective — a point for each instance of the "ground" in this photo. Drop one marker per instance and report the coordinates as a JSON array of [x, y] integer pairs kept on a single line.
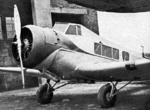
[[77, 97]]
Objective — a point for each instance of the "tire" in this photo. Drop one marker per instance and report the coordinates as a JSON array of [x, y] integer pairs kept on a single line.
[[103, 97], [42, 96]]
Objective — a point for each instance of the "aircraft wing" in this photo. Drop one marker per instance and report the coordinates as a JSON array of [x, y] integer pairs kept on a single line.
[[115, 70], [68, 64], [115, 5], [85, 66], [27, 71]]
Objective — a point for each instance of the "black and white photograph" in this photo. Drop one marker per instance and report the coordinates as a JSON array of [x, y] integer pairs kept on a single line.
[[74, 54]]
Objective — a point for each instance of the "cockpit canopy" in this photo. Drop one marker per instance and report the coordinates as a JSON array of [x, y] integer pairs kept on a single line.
[[68, 28]]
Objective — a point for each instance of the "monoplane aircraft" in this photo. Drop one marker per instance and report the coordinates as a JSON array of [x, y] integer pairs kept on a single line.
[[70, 51]]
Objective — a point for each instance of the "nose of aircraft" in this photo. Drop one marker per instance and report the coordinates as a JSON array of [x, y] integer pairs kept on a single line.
[[37, 43], [26, 44]]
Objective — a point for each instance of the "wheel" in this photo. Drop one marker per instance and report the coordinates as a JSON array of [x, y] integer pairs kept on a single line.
[[43, 96], [104, 98]]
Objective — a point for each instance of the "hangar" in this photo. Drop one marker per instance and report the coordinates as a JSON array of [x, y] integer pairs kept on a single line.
[[38, 12]]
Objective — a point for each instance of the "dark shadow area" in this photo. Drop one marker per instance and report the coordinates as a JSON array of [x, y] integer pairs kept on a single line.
[[136, 97], [77, 101], [69, 18], [131, 98]]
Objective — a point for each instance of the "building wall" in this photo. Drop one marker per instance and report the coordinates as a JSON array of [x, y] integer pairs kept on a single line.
[[89, 20], [39, 12], [24, 6], [12, 81], [64, 4]]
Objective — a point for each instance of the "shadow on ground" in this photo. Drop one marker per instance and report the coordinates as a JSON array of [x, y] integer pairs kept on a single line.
[[132, 98]]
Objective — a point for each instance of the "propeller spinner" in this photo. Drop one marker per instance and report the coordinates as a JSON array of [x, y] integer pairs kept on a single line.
[[26, 45]]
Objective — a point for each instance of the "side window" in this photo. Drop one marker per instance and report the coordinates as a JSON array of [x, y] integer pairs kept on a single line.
[[125, 56], [71, 30], [106, 51], [1, 29], [79, 30], [115, 53], [97, 48], [10, 27]]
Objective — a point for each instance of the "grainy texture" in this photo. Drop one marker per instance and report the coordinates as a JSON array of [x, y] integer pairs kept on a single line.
[[89, 20], [77, 97]]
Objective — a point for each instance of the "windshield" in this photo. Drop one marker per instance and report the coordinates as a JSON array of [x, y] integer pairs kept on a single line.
[[60, 26], [74, 30]]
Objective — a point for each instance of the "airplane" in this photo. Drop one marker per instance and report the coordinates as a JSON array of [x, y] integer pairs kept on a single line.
[[70, 52], [125, 6]]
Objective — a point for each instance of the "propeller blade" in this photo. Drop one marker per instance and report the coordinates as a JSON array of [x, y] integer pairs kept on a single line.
[[17, 24]]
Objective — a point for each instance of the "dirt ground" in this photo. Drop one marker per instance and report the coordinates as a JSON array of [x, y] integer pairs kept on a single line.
[[77, 97]]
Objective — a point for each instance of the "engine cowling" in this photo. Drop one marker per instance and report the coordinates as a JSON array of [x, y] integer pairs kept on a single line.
[[37, 44]]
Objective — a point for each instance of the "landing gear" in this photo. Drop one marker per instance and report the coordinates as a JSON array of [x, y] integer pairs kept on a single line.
[[107, 94], [104, 96], [45, 94]]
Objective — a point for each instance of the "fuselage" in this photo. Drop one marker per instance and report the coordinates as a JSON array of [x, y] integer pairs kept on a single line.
[[91, 43], [63, 48]]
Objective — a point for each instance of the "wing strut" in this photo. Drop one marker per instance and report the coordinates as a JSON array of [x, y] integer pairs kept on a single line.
[[17, 23]]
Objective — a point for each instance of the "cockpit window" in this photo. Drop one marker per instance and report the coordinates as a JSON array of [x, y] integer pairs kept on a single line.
[[71, 30], [74, 30], [60, 26]]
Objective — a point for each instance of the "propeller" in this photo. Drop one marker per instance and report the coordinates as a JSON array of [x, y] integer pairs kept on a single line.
[[17, 24]]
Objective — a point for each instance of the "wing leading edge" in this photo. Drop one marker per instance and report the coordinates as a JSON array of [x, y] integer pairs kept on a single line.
[[71, 64], [67, 64], [115, 70], [27, 71]]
